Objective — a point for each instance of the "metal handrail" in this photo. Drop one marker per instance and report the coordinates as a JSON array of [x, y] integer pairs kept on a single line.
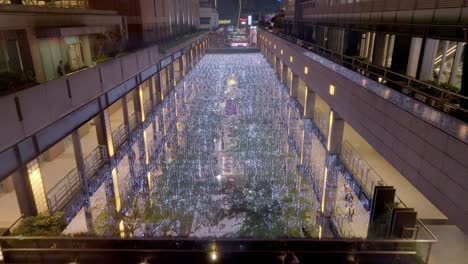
[[365, 68], [348, 151], [95, 160], [63, 190], [119, 136], [133, 121]]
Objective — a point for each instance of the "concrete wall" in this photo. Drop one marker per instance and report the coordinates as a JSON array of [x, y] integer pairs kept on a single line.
[[433, 160]]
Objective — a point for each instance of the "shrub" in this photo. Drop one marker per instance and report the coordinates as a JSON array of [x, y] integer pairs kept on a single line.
[[41, 225], [101, 59]]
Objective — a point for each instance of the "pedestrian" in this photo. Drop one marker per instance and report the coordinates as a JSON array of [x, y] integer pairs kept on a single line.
[[61, 69], [351, 213]]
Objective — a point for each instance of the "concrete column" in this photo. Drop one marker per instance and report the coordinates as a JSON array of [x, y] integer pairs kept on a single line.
[[104, 134], [293, 90], [81, 168], [330, 179], [456, 62], [156, 89], [278, 67], [86, 48], [413, 60], [430, 52], [284, 74], [24, 192], [137, 104], [36, 55], [335, 133], [171, 76], [125, 115], [181, 67], [380, 49], [309, 107]]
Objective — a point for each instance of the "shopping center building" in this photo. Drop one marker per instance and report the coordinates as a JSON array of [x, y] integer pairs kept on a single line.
[[343, 138]]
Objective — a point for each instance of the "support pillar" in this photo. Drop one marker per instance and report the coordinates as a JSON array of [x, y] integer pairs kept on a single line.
[[413, 59], [294, 87], [330, 179], [24, 192], [81, 168], [284, 74], [430, 52], [278, 67], [103, 131], [170, 74], [156, 89], [125, 115], [309, 107], [138, 105], [380, 49]]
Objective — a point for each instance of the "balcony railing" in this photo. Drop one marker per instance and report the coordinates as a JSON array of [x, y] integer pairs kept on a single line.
[[119, 136], [362, 171], [444, 100], [95, 160], [51, 3], [61, 193]]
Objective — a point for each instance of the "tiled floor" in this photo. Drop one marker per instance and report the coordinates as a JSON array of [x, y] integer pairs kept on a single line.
[[452, 247], [411, 196]]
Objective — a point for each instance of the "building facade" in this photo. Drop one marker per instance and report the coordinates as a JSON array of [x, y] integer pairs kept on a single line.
[[424, 40], [209, 16]]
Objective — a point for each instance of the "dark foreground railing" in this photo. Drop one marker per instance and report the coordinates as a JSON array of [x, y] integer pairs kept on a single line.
[[178, 250]]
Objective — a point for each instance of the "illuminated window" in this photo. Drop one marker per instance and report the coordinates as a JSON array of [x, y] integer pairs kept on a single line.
[[291, 59], [281, 52], [274, 46], [332, 89], [306, 70]]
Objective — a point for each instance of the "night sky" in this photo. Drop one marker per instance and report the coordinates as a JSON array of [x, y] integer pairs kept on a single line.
[[228, 9]]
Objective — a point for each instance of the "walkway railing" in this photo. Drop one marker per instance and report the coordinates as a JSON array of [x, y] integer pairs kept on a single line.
[[362, 171], [62, 192], [95, 160], [133, 121], [119, 136], [439, 98]]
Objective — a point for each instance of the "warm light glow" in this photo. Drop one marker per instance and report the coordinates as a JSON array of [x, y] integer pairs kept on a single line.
[[274, 46], [35, 179], [306, 94], [122, 229], [281, 52], [332, 89], [330, 127], [214, 256], [110, 143], [145, 142], [291, 59], [115, 181], [142, 107], [302, 147], [306, 70]]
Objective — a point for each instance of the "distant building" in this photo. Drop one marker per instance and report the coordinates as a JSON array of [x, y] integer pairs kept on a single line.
[[209, 17]]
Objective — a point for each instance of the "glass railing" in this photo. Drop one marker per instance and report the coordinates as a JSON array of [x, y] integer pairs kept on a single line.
[[444, 100], [50, 3]]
